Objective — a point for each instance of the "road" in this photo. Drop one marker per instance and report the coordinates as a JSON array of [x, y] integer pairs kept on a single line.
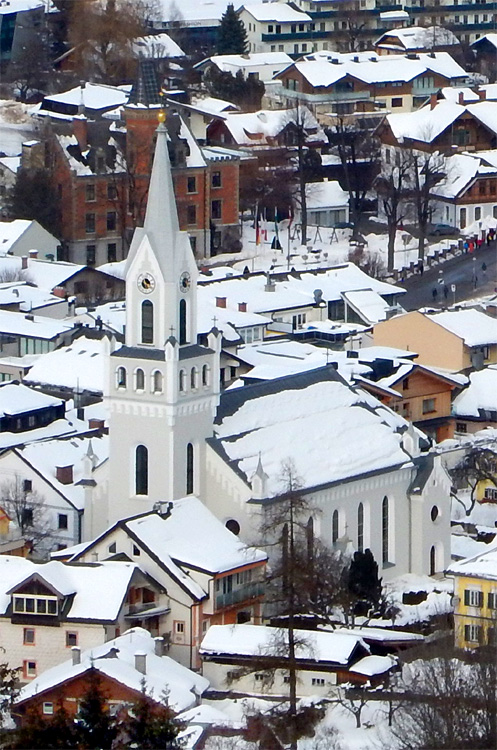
[[464, 271]]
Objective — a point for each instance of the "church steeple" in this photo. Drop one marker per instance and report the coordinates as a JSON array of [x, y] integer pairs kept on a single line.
[[161, 272]]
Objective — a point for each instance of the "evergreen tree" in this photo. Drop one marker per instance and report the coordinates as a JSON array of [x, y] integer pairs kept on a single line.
[[364, 583], [96, 726], [150, 725], [34, 197], [232, 37]]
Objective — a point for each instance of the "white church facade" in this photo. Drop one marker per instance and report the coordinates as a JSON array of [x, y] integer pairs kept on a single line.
[[367, 472]]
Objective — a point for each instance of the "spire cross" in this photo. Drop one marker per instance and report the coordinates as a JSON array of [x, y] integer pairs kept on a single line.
[[171, 329], [214, 321]]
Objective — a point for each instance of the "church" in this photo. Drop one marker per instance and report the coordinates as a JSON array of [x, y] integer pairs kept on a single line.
[[368, 475]]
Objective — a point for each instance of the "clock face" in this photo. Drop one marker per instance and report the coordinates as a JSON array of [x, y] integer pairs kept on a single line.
[[146, 283], [185, 282]]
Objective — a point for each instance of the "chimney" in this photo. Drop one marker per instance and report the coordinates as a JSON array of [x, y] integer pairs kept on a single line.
[[96, 424], [141, 662], [461, 97], [80, 130], [76, 655], [33, 253], [220, 301], [159, 646], [24, 262], [433, 101], [482, 93], [63, 474], [242, 307]]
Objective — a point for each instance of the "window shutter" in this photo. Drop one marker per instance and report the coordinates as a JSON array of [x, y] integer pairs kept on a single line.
[[480, 598], [466, 597], [467, 635], [491, 601]]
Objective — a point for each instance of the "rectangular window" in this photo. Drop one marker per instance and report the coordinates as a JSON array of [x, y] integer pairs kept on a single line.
[[191, 184], [492, 600], [27, 485], [259, 677], [91, 255], [62, 520], [472, 633], [482, 188], [270, 28], [90, 193], [473, 598], [48, 708], [111, 252], [397, 101], [29, 669], [216, 209], [428, 405], [111, 221], [461, 427], [29, 637], [179, 626], [462, 218], [405, 384], [191, 214], [477, 213], [90, 223], [71, 639], [216, 180], [111, 192]]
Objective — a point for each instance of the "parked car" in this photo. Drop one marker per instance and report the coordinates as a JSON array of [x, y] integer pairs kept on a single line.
[[443, 230]]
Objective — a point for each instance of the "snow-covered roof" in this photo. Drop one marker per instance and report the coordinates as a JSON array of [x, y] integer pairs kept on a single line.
[[373, 665], [452, 94], [491, 38], [210, 105], [11, 162], [483, 565], [418, 37], [325, 70], [163, 674], [79, 366], [11, 232], [326, 194], [480, 394], [45, 274], [318, 410], [31, 326], [258, 640], [77, 159], [28, 297], [82, 582], [16, 398], [428, 123], [45, 455], [157, 46], [194, 538], [198, 13], [229, 63], [90, 95], [368, 305], [19, 6], [475, 328], [279, 12], [254, 128]]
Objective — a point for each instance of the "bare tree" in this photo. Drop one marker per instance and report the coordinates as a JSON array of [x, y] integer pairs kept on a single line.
[[426, 171], [478, 465], [392, 188], [27, 510], [449, 702]]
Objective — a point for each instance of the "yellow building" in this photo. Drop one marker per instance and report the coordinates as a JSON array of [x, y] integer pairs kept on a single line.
[[452, 340], [475, 599]]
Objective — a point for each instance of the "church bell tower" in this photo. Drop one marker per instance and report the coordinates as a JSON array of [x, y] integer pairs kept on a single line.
[[163, 387]]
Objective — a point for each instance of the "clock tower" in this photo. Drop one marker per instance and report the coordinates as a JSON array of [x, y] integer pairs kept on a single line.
[[163, 386]]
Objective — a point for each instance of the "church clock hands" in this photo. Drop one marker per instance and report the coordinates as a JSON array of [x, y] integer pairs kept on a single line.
[[146, 283], [184, 282]]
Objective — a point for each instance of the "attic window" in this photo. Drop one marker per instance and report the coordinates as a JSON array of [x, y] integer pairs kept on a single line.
[[35, 605], [136, 551], [112, 548]]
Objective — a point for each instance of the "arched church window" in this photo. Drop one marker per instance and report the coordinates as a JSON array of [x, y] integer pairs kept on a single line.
[[182, 381], [121, 377], [157, 381], [141, 470], [360, 527], [147, 322], [193, 378], [140, 379], [385, 542], [189, 469], [334, 526], [182, 322], [205, 375]]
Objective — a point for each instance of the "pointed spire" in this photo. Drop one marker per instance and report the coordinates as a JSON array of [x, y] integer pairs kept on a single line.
[[161, 216]]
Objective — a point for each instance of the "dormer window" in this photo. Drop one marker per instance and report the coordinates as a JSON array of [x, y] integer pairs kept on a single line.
[[35, 604]]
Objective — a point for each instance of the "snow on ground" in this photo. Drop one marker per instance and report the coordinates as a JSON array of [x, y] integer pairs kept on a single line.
[[326, 247]]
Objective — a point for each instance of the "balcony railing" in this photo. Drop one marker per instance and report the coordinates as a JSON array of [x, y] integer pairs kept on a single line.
[[241, 594]]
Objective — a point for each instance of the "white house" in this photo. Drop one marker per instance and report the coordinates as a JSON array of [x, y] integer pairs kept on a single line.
[[260, 65], [46, 609], [327, 204], [210, 576], [20, 236], [276, 27]]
